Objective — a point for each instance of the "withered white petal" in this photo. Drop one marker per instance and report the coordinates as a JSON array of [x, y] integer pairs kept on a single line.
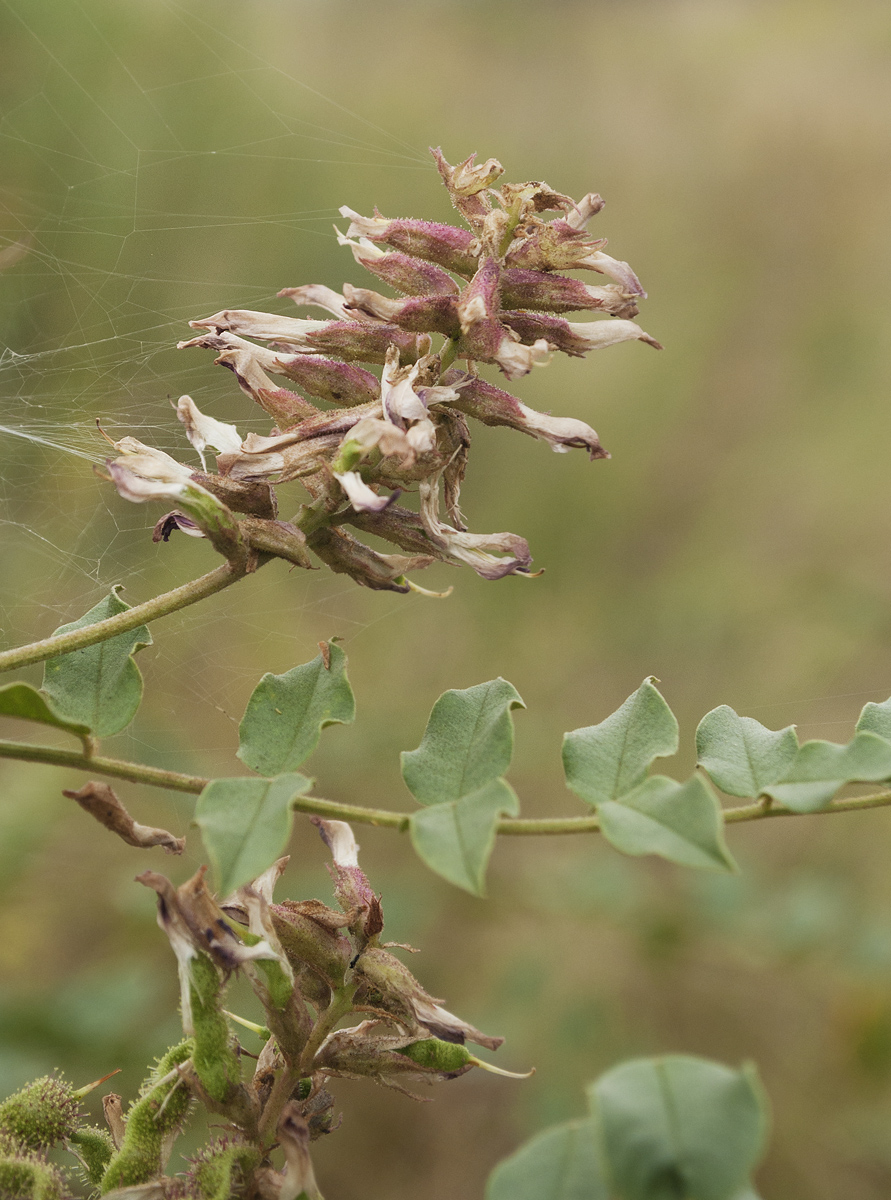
[[203, 431], [360, 495]]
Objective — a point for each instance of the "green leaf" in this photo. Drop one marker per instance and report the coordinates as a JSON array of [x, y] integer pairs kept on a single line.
[[605, 761], [245, 824], [101, 685], [25, 702], [821, 768], [742, 755], [679, 821], [560, 1164], [679, 1128], [468, 742], [876, 718], [456, 839], [286, 713]]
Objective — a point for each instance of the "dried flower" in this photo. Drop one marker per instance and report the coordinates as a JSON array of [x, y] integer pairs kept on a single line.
[[495, 293]]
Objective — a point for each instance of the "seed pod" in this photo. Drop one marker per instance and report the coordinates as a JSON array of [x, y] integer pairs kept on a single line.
[[222, 1169], [26, 1176], [94, 1148], [152, 1123], [214, 1056], [41, 1114]]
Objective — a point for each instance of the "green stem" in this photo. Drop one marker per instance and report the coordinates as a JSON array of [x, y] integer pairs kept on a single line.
[[341, 1004], [383, 817], [141, 614], [447, 356], [99, 765]]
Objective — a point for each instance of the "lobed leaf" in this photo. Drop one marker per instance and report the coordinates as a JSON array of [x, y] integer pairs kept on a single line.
[[245, 824], [25, 702], [876, 718], [99, 686], [562, 1163], [468, 742], [740, 754], [456, 839], [679, 1127], [678, 821], [821, 768], [603, 762], [286, 713]]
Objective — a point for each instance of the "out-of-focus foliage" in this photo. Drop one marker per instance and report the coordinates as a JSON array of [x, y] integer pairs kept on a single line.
[[159, 158]]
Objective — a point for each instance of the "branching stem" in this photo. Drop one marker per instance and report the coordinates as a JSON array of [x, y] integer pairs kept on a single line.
[[383, 817], [140, 614]]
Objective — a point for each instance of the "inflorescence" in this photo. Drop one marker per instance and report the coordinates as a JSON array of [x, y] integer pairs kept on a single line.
[[493, 293]]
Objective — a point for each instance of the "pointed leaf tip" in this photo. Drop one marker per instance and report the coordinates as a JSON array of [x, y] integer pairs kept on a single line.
[[468, 743], [286, 713], [603, 762], [741, 755]]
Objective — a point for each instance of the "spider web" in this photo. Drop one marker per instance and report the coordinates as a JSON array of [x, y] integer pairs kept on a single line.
[[109, 246]]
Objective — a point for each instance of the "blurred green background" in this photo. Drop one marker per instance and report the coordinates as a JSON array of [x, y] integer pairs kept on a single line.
[[166, 160]]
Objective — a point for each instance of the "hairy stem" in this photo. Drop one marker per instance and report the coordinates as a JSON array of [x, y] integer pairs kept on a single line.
[[384, 817], [141, 614]]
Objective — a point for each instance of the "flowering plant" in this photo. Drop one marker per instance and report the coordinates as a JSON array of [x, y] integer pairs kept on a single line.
[[493, 292]]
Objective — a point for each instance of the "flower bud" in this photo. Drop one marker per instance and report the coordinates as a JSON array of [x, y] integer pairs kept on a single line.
[[443, 244], [339, 383], [558, 293], [43, 1113], [416, 314], [348, 340], [493, 406], [407, 274], [574, 337]]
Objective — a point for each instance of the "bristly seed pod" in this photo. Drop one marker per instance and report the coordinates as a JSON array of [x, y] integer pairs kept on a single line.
[[152, 1123], [43, 1113], [490, 294]]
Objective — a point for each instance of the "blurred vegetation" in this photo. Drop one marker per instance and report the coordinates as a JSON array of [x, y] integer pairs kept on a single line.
[[166, 160]]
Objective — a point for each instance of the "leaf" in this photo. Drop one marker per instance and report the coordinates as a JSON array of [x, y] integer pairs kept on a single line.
[[245, 824], [25, 702], [286, 713], [821, 768], [605, 761], [740, 754], [679, 1128], [560, 1164], [468, 742], [456, 839], [679, 821], [101, 685], [876, 718]]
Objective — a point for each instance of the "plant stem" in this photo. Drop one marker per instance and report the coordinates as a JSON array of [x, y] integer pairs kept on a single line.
[[383, 817], [99, 765], [341, 1003], [140, 614]]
